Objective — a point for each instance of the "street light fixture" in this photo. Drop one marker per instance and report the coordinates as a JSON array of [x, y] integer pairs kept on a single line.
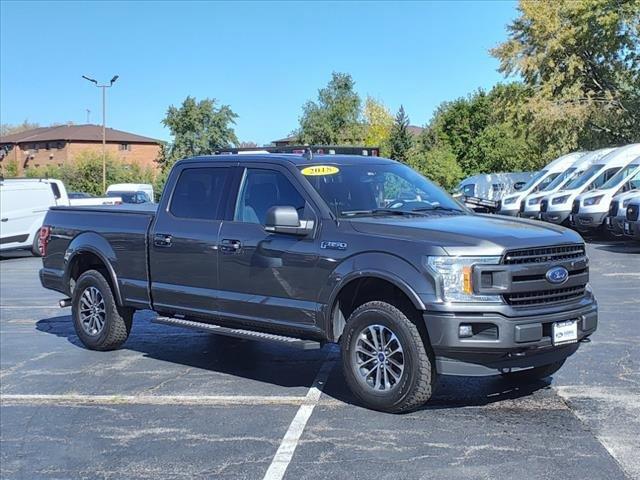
[[104, 129]]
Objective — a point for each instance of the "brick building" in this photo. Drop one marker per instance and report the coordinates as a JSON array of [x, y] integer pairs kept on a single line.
[[57, 145]]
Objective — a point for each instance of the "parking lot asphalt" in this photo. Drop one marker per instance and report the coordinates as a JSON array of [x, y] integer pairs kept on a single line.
[[182, 404]]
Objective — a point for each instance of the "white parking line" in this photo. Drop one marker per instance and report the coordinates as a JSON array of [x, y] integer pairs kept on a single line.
[[19, 307], [290, 440], [79, 399]]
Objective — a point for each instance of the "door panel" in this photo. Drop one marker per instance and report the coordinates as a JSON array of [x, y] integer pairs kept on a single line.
[[183, 242], [267, 276]]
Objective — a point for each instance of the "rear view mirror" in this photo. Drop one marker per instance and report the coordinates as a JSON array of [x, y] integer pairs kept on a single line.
[[285, 219]]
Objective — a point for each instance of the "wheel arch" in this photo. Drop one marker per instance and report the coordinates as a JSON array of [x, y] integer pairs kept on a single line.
[[90, 251]]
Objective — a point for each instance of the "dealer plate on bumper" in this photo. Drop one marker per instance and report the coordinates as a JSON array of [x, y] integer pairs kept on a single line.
[[565, 332]]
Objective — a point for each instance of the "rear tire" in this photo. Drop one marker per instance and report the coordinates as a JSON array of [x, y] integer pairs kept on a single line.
[[385, 361], [99, 322], [35, 246], [533, 374]]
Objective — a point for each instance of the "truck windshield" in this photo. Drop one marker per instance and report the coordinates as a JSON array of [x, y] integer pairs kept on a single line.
[[352, 190], [620, 176], [584, 178], [559, 180]]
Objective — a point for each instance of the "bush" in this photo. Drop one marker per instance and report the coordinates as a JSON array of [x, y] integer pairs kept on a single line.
[[439, 165], [84, 173]]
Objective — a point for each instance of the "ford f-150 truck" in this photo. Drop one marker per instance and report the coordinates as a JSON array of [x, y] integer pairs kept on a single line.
[[306, 250]]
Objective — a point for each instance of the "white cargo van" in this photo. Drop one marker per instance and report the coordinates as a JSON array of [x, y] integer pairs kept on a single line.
[[532, 202], [514, 203], [618, 210], [129, 192], [556, 208], [23, 205], [591, 208]]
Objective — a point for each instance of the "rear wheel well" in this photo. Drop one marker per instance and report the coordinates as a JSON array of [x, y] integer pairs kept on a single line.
[[84, 262], [366, 289]]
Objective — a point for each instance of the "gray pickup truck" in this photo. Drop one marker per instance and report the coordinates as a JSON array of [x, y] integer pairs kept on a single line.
[[307, 250]]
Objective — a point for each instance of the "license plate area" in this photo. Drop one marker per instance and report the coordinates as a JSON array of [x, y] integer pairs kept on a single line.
[[627, 228], [564, 332]]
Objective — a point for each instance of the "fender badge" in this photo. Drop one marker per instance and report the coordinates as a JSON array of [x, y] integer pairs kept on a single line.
[[333, 245]]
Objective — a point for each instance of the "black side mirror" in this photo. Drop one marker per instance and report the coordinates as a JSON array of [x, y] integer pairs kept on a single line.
[[519, 185], [281, 219]]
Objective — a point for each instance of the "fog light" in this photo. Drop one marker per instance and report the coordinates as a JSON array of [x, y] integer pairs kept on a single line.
[[465, 331]]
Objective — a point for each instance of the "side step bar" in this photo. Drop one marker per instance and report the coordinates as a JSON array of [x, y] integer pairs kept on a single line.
[[239, 333]]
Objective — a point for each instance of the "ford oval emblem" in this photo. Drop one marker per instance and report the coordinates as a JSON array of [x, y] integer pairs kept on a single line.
[[557, 275]]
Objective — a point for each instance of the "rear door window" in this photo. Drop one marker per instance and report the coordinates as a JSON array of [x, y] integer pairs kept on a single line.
[[199, 193]]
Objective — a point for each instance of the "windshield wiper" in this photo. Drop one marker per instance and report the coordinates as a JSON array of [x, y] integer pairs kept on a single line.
[[378, 211], [437, 207]]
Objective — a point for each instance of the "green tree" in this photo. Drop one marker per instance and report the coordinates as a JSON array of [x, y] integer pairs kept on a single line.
[[439, 165], [198, 128], [378, 123], [9, 168], [400, 140], [335, 118], [582, 59]]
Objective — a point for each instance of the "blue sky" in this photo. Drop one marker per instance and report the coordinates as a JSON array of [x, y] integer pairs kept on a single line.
[[264, 59]]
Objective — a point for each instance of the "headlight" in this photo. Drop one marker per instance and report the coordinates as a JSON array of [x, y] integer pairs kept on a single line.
[[534, 201], [455, 278], [559, 200], [593, 200], [509, 201]]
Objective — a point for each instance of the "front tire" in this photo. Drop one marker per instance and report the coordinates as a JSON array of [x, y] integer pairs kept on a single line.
[[535, 373], [35, 245], [385, 361], [99, 322]]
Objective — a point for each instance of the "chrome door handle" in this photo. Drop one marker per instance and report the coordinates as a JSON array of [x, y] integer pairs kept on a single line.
[[162, 240], [230, 245]]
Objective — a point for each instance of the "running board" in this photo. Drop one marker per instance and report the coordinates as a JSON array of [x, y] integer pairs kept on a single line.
[[239, 333]]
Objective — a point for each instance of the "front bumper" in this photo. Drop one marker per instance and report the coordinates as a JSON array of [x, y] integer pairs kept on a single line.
[[632, 229], [502, 343], [589, 220], [615, 224], [558, 217]]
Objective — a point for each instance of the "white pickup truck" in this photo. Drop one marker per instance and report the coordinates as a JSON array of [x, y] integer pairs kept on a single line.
[[23, 204]]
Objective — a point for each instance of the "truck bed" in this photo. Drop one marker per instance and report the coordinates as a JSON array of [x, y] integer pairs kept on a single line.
[[117, 234]]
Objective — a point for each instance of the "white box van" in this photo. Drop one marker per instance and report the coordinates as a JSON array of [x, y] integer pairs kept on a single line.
[[129, 192], [23, 206], [514, 203], [591, 208], [493, 186], [532, 202], [556, 208]]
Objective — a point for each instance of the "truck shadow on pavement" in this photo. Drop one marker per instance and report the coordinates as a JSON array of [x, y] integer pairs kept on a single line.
[[279, 365]]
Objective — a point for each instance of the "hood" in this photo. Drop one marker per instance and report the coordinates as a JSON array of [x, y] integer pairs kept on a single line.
[[469, 234]]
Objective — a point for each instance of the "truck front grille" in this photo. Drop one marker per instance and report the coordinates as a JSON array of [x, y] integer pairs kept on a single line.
[[575, 208], [633, 211], [546, 297], [528, 284], [544, 204], [543, 254]]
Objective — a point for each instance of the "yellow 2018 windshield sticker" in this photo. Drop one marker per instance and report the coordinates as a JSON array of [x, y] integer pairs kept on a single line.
[[320, 170]]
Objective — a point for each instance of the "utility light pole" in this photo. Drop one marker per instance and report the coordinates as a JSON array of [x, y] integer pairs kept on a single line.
[[104, 128]]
